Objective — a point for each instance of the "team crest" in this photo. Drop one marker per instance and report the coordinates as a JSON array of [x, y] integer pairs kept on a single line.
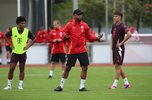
[[82, 28]]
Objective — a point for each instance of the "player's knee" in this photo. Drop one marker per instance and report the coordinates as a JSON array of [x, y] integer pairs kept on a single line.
[[67, 69], [21, 70], [11, 70], [84, 68]]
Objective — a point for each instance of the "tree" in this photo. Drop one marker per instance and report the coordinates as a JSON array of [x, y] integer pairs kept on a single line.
[[137, 9], [93, 9]]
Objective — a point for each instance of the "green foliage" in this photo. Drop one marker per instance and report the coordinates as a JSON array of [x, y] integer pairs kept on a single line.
[[63, 12], [38, 87], [95, 10]]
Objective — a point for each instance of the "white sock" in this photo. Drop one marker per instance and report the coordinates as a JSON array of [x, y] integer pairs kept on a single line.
[[9, 82], [62, 82], [21, 82], [0, 59], [82, 83], [126, 81], [8, 60], [51, 72], [115, 82]]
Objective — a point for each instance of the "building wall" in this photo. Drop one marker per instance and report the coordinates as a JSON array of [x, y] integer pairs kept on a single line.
[[8, 14]]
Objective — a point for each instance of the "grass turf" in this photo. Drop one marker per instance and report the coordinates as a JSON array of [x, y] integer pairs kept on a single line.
[[38, 87]]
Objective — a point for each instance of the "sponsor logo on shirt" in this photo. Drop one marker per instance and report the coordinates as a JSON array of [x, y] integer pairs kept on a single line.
[[82, 28], [73, 27]]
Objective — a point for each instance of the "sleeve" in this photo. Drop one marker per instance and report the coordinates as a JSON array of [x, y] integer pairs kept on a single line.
[[31, 35], [8, 34], [66, 29], [125, 29], [89, 36]]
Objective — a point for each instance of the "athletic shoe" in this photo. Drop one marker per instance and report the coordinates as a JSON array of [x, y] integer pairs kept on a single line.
[[83, 89], [20, 87], [112, 87], [7, 87], [0, 63], [126, 86], [58, 88], [49, 77]]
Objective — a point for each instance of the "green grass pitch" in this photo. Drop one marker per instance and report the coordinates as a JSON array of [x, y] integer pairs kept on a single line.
[[37, 86]]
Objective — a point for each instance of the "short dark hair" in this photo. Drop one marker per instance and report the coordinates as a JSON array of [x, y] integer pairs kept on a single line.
[[51, 27], [118, 13], [9, 28], [20, 19]]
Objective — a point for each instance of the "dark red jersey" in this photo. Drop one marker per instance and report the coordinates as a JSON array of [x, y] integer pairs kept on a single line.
[[118, 34]]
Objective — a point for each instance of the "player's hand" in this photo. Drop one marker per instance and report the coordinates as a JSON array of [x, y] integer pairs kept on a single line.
[[43, 43], [118, 44], [12, 47], [55, 40], [25, 48], [99, 36], [59, 40], [66, 36]]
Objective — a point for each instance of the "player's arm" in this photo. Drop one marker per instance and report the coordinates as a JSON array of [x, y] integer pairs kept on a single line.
[[111, 40], [31, 36], [90, 37], [125, 39], [8, 34], [66, 31]]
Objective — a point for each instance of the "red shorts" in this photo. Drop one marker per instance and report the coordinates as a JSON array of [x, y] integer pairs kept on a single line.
[[18, 57], [118, 57]]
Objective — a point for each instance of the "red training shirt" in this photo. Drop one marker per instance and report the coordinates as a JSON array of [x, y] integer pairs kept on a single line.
[[57, 47], [78, 32]]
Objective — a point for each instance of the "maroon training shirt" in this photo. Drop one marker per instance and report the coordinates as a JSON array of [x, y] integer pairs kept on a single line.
[[118, 34]]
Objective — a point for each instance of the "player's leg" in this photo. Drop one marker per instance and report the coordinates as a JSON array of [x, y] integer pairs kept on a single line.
[[54, 59], [71, 60], [117, 61], [126, 83], [21, 75], [14, 60], [63, 61], [84, 62], [52, 66], [22, 60], [7, 55]]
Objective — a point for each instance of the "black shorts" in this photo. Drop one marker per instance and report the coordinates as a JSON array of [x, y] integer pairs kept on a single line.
[[0, 49], [18, 57], [82, 57], [55, 57], [8, 48], [118, 57]]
